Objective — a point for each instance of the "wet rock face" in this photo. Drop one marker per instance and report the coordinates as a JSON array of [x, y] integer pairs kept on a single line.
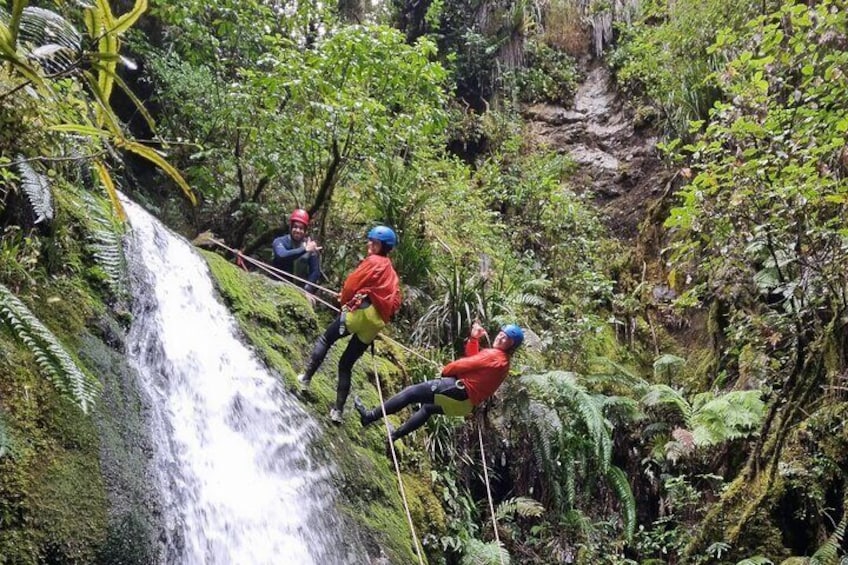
[[617, 162]]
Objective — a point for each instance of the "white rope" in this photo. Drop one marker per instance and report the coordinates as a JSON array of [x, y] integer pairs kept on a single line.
[[281, 275], [489, 493], [394, 459]]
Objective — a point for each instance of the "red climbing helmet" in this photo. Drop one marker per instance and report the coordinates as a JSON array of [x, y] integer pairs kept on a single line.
[[299, 215]]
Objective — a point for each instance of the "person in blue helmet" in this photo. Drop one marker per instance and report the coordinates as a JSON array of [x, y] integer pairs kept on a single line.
[[297, 254], [464, 383], [370, 297]]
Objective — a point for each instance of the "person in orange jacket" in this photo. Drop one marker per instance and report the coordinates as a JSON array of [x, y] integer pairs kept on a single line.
[[464, 384], [370, 297]]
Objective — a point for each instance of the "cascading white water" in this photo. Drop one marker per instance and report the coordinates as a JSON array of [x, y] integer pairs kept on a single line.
[[237, 483]]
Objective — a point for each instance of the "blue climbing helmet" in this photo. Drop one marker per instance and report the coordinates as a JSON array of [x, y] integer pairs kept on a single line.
[[514, 333], [384, 235]]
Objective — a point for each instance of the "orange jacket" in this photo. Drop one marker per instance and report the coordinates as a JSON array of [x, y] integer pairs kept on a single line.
[[376, 277], [482, 372]]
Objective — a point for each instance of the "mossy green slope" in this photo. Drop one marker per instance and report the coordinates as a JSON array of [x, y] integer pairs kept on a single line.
[[279, 322]]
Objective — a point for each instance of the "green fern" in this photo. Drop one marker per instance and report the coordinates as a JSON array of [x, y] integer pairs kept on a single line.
[[49, 353], [521, 505], [476, 552], [618, 480], [106, 233], [828, 553], [37, 188]]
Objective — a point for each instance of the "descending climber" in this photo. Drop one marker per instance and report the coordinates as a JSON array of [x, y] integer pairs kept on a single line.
[[464, 383], [297, 254], [370, 297]]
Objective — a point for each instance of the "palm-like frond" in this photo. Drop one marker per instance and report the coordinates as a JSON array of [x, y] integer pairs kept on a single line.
[[37, 188], [49, 353], [476, 552]]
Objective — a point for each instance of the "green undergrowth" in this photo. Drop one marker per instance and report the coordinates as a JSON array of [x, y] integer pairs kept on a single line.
[[278, 321]]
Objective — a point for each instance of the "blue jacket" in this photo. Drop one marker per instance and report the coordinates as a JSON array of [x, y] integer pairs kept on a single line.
[[294, 259]]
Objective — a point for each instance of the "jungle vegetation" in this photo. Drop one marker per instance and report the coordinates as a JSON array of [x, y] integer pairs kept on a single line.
[[700, 424]]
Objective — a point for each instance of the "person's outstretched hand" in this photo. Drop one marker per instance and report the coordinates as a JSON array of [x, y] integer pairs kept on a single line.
[[312, 246], [478, 331]]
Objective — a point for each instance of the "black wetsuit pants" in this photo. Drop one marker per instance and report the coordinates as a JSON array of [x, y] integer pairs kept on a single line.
[[423, 394], [354, 350]]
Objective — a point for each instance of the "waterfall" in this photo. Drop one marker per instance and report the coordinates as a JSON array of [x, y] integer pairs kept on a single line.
[[236, 480]]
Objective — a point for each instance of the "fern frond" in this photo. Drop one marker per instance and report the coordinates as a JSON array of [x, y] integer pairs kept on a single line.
[[106, 243], [37, 188], [48, 352], [51, 40], [618, 480], [660, 394], [828, 553], [521, 505], [476, 552], [733, 415]]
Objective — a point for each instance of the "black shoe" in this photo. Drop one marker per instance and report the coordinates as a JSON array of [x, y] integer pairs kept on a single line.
[[363, 412]]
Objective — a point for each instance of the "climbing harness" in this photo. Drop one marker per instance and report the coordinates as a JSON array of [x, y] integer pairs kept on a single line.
[[394, 458]]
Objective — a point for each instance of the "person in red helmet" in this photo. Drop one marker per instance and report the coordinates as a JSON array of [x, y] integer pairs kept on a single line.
[[296, 253], [370, 297], [463, 384]]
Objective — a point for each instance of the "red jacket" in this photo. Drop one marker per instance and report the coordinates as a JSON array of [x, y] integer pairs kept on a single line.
[[376, 277], [482, 372]]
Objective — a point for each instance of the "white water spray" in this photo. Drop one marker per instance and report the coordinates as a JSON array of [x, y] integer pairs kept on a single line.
[[237, 483]]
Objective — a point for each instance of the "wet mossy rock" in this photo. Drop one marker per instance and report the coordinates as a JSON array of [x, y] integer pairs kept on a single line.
[[278, 321], [73, 486]]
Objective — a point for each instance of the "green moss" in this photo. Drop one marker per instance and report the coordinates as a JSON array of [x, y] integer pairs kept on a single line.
[[52, 499]]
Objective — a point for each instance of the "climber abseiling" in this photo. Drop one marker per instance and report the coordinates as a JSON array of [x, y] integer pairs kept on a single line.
[[370, 297], [464, 383]]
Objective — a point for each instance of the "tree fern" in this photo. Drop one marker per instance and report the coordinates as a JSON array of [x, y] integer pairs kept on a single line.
[[49, 353], [476, 552], [571, 440], [37, 188]]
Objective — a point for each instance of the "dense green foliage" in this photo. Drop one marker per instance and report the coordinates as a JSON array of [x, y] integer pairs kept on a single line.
[[637, 430]]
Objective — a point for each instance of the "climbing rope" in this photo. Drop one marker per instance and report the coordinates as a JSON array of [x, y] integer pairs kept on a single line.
[[394, 458], [281, 275], [489, 493], [207, 237]]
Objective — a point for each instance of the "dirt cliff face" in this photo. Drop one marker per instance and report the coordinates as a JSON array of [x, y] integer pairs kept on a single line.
[[613, 146]]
